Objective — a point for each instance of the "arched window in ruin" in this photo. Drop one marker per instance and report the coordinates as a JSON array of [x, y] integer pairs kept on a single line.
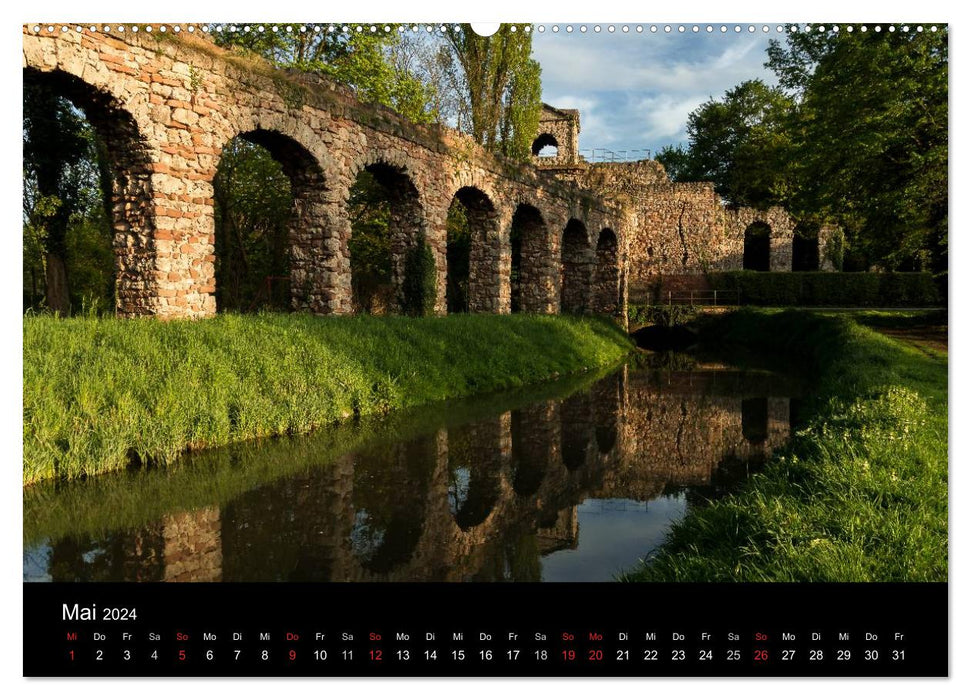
[[757, 247], [805, 248], [577, 267], [545, 146], [607, 292], [755, 420], [88, 228], [528, 240], [268, 196], [472, 253], [386, 217]]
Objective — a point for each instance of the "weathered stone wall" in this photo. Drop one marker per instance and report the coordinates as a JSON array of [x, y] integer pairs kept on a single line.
[[563, 127], [168, 106], [679, 230]]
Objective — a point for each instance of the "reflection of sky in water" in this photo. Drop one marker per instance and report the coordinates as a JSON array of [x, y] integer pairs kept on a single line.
[[614, 534], [37, 563], [458, 489], [365, 539]]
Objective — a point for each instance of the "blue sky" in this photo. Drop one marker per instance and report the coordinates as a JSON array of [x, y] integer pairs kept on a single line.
[[635, 91]]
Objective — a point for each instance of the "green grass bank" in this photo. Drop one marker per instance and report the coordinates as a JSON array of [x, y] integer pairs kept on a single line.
[[860, 493], [102, 393]]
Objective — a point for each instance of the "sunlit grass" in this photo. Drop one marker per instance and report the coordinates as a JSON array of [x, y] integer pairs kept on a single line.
[[102, 393], [860, 494]]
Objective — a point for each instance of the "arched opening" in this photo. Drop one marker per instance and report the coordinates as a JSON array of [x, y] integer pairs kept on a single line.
[[391, 485], [545, 146], [527, 238], [472, 281], [805, 248], [757, 247], [385, 213], [87, 209], [474, 461], [577, 267], [530, 450], [576, 426], [268, 196], [755, 420], [607, 290]]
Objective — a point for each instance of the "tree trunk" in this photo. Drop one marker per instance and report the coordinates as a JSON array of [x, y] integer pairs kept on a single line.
[[58, 298]]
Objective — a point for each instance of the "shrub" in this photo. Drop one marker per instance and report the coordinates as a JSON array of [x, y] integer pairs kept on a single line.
[[420, 282], [830, 288]]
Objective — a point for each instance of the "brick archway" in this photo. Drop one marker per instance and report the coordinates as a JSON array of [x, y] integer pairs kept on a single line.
[[133, 209]]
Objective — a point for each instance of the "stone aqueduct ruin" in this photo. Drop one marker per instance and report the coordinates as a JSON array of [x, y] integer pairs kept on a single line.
[[166, 106]]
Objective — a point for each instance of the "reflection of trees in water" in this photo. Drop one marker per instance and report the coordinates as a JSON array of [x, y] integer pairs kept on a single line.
[[728, 477], [514, 557], [127, 556], [390, 491]]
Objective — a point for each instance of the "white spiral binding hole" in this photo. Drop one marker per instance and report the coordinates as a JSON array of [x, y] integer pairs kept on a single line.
[[442, 29]]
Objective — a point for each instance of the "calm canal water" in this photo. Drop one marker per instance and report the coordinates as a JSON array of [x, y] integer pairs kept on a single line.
[[572, 481]]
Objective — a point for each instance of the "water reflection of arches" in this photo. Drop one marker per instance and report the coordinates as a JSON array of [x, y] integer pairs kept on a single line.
[[533, 433], [609, 400], [576, 421], [475, 459], [390, 492], [756, 255]]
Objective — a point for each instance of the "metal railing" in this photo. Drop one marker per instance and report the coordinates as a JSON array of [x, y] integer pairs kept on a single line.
[[606, 155], [707, 297]]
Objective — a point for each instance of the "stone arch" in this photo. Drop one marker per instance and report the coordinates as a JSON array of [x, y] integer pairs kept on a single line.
[[406, 222], [755, 420], [476, 259], [607, 294], [545, 141], [474, 467], [131, 198], [757, 247], [577, 267], [530, 285], [805, 248], [309, 223]]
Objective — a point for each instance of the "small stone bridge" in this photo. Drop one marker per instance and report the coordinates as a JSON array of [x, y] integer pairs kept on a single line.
[[167, 105]]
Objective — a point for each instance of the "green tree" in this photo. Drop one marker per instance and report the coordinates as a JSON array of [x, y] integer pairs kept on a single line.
[[502, 87], [870, 139], [362, 60], [253, 203], [740, 143], [66, 214]]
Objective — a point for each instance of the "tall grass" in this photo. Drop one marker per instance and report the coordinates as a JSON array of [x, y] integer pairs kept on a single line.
[[860, 494], [102, 393]]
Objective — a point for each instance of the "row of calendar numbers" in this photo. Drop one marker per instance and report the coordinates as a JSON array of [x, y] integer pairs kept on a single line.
[[458, 655]]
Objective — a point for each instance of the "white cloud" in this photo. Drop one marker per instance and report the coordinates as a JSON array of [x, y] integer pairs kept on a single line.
[[636, 91]]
